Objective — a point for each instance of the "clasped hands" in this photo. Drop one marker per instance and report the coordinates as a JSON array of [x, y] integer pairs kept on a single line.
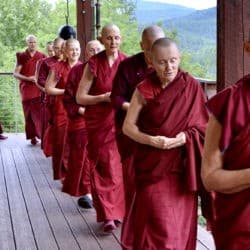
[[106, 97], [163, 142]]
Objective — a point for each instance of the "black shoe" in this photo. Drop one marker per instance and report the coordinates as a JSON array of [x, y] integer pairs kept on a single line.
[[3, 137], [85, 202], [34, 141]]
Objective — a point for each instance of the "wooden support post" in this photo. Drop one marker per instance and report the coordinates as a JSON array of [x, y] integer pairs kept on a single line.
[[233, 23], [85, 23]]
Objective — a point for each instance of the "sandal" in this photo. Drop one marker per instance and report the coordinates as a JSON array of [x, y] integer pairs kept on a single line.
[[109, 226], [118, 222]]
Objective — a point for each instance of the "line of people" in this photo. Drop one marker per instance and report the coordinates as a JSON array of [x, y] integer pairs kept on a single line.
[[126, 134]]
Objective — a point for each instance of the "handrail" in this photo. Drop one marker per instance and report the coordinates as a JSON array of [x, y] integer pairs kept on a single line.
[[209, 86], [6, 73], [208, 81], [11, 112]]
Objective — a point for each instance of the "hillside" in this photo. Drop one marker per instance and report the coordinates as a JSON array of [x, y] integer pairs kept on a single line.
[[148, 12], [201, 24], [197, 35], [196, 29]]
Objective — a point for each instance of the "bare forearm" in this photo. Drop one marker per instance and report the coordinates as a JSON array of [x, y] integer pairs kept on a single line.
[[22, 77], [54, 91], [90, 99], [133, 132], [227, 181], [40, 87]]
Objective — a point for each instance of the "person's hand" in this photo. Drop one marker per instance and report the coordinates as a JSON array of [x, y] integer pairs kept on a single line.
[[125, 106], [160, 142], [178, 141], [81, 110], [32, 79], [106, 97], [163, 142]]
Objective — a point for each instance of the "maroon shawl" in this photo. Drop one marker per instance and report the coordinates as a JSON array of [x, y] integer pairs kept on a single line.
[[131, 71], [43, 69], [28, 89], [76, 121], [100, 117], [231, 227], [177, 108]]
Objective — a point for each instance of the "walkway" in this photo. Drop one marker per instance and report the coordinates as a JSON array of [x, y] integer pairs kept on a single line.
[[35, 214]]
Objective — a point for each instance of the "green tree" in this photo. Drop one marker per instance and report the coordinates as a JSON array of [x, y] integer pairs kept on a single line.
[[193, 68], [22, 17], [17, 20], [121, 13]]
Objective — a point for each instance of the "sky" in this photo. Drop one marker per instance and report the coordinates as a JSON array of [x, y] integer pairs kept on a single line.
[[196, 4]]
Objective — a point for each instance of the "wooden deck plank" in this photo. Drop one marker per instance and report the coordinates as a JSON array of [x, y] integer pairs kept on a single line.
[[204, 240], [42, 230], [44, 217], [21, 222], [89, 217], [6, 230], [107, 241], [58, 223], [79, 228]]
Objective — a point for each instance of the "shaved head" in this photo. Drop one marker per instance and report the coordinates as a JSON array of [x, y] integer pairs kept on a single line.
[[151, 32], [149, 35], [165, 59], [93, 43], [163, 42], [111, 38], [109, 27], [93, 47]]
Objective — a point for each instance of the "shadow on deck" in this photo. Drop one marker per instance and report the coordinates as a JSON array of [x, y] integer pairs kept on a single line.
[[35, 214]]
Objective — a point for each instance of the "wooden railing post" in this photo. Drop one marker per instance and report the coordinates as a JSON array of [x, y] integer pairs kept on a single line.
[[84, 23]]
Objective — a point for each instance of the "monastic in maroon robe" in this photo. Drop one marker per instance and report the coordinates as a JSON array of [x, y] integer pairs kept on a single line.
[[43, 68], [1, 128], [167, 180], [60, 148], [77, 179], [231, 107], [30, 93], [107, 184], [130, 72]]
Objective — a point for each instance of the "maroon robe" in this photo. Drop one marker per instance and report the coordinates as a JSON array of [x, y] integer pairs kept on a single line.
[[107, 184], [130, 72], [43, 68], [1, 128], [77, 179], [231, 107], [30, 93], [167, 181], [60, 147]]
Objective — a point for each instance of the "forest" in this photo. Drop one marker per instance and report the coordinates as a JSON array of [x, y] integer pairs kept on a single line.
[[39, 17]]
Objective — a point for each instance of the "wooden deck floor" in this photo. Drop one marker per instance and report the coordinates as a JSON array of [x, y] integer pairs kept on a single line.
[[35, 214]]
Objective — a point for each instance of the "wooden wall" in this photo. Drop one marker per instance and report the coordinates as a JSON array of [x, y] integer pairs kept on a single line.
[[233, 27]]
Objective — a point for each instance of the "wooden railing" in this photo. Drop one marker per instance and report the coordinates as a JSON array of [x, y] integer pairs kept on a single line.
[[209, 86], [11, 114]]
